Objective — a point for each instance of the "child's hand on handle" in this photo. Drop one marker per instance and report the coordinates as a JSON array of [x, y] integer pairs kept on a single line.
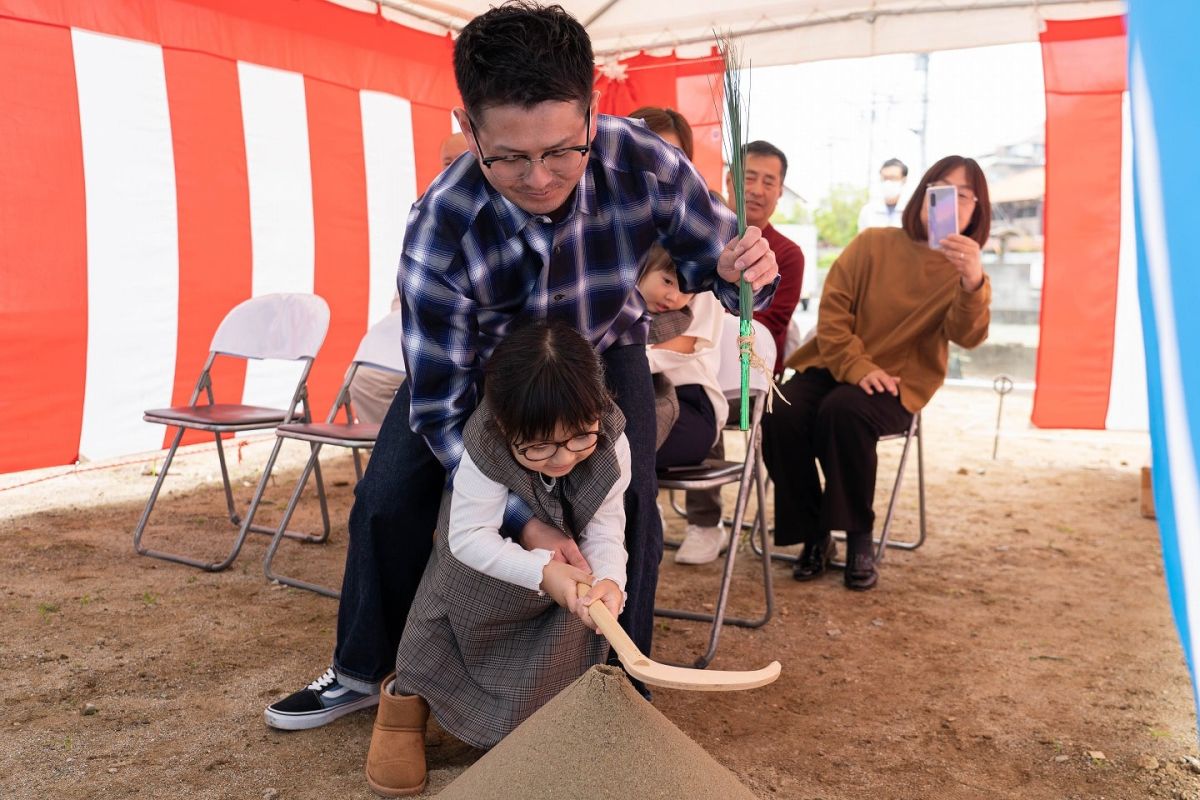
[[606, 592], [559, 580]]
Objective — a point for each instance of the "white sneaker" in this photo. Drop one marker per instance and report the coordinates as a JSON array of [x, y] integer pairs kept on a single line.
[[701, 545]]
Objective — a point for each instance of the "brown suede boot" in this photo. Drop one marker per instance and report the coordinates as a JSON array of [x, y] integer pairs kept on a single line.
[[396, 759]]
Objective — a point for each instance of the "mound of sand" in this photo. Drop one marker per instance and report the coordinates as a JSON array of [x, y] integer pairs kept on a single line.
[[597, 738]]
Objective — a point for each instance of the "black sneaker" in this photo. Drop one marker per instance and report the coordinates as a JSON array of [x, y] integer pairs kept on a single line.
[[320, 703]]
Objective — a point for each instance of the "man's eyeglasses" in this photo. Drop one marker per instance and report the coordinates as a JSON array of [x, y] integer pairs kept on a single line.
[[562, 162], [542, 451]]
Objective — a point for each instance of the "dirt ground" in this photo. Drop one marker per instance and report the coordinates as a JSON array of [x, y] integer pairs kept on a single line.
[[1026, 651]]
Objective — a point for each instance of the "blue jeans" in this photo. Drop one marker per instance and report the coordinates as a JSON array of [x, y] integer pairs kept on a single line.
[[395, 513]]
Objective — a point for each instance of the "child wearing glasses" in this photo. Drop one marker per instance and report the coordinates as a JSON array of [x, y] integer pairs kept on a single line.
[[495, 630]]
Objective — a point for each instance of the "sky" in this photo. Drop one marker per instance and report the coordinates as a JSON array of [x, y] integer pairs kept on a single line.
[[820, 114]]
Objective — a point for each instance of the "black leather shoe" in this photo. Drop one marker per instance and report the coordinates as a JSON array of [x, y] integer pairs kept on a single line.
[[814, 559], [861, 574]]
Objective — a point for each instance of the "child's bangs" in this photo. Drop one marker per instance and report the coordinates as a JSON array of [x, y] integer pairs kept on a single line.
[[547, 400]]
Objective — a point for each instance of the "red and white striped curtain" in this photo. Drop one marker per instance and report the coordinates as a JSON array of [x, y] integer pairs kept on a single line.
[[163, 160], [1091, 370]]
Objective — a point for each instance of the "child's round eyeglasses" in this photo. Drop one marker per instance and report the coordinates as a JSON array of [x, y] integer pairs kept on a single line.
[[541, 451]]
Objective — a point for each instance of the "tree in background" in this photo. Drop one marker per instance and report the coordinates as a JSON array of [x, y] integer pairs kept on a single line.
[[798, 214], [837, 216]]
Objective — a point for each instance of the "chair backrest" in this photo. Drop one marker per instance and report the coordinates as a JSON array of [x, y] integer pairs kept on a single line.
[[381, 346], [288, 326], [730, 372]]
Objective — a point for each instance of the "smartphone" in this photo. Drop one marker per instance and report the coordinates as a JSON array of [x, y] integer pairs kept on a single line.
[[942, 202]]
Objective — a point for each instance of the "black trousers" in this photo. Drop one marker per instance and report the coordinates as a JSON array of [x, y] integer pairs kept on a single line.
[[693, 433], [839, 425]]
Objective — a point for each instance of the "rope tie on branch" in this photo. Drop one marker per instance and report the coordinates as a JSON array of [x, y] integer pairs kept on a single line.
[[746, 347]]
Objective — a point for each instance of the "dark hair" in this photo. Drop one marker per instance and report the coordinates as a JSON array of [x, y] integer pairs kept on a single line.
[[667, 120], [544, 374], [522, 53], [658, 260], [980, 226], [761, 148], [895, 162]]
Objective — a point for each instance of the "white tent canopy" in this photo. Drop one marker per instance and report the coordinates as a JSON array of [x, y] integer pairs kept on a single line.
[[779, 31]]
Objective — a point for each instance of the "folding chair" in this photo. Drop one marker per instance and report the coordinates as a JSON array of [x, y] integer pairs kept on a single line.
[[884, 541], [379, 348], [750, 475], [279, 327]]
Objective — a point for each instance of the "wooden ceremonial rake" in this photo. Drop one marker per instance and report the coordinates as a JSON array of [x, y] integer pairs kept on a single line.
[[647, 671]]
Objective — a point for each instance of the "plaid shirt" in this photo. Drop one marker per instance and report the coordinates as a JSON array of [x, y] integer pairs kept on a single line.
[[474, 264]]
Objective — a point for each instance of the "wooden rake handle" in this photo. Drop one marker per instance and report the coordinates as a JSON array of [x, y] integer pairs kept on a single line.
[[656, 674]]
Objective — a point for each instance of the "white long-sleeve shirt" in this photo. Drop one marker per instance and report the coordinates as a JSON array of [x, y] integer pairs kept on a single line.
[[702, 365], [477, 511]]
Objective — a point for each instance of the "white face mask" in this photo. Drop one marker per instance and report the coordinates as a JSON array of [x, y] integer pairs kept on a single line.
[[891, 189]]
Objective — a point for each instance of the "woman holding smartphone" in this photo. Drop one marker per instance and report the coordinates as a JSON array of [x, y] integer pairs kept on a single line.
[[892, 303]]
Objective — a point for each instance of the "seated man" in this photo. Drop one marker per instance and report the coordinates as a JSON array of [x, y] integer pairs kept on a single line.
[[550, 218]]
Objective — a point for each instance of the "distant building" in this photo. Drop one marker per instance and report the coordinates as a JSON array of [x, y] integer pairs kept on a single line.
[[1017, 183], [790, 204]]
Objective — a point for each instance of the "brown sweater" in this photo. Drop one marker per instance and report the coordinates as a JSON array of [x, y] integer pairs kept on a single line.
[[893, 304]]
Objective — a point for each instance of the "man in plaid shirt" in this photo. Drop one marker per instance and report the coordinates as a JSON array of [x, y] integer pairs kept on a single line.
[[549, 216]]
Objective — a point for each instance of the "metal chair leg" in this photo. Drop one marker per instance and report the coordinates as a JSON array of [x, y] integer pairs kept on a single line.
[[767, 556], [882, 542], [244, 527], [269, 530], [921, 483], [718, 619], [915, 433], [312, 464], [786, 558], [681, 511], [140, 528], [229, 504], [307, 538], [322, 498], [248, 522]]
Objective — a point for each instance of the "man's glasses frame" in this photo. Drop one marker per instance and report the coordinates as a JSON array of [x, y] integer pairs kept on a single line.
[[561, 161]]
